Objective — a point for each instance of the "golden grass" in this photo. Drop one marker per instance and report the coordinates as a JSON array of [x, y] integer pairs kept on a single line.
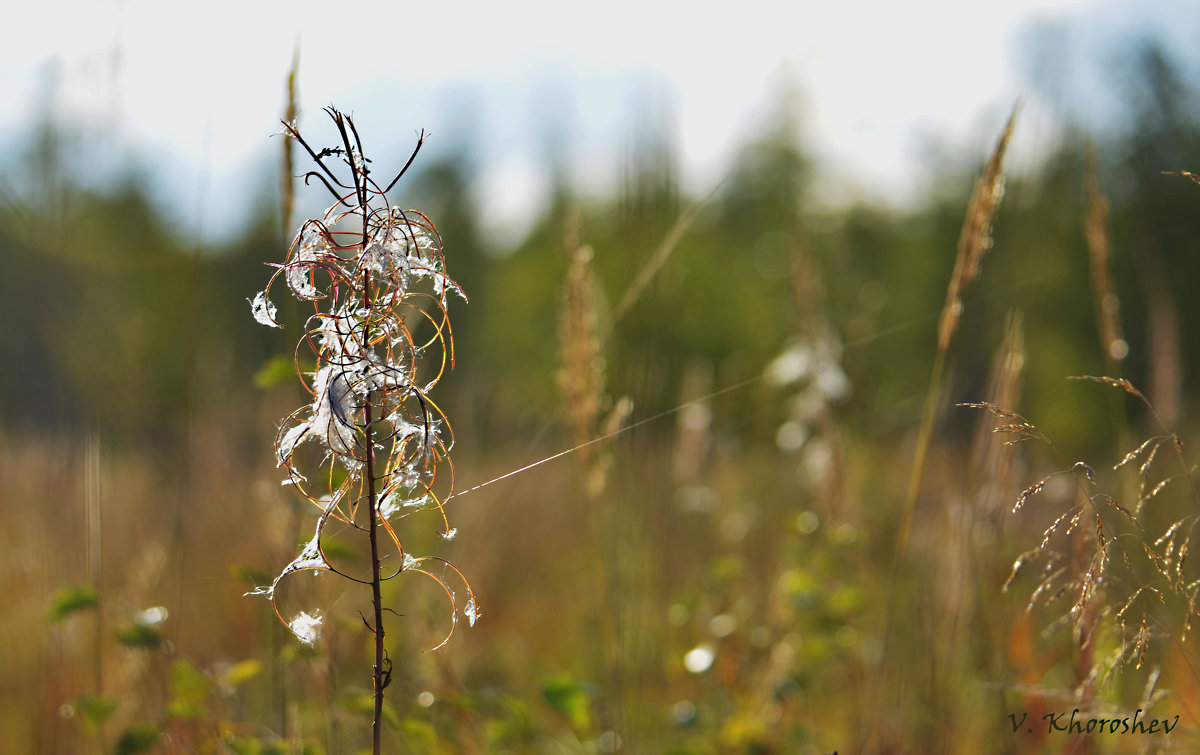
[[598, 598], [974, 240]]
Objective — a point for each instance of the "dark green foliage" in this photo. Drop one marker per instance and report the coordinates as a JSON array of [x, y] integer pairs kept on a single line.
[[132, 331], [140, 636], [137, 738]]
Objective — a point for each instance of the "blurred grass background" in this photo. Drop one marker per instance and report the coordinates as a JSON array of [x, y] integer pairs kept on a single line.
[[730, 586]]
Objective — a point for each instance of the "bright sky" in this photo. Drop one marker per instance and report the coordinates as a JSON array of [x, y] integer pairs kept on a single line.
[[195, 90]]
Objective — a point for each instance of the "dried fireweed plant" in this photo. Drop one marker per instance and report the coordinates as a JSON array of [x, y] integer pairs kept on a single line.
[[376, 280], [1118, 574]]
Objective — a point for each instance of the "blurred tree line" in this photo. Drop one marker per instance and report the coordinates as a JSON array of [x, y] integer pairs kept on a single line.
[[118, 325]]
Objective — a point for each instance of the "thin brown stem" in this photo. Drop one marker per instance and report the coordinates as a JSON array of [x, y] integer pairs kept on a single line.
[[378, 670], [366, 359]]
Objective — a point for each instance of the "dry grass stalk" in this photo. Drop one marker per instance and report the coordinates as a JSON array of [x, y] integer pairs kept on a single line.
[[991, 454], [964, 519], [690, 458], [660, 256], [581, 377], [287, 207], [93, 522], [973, 242], [976, 236], [288, 183], [812, 404], [1165, 358], [1107, 304]]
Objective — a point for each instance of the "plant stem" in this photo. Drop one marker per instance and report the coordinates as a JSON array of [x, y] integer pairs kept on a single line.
[[932, 396], [376, 598], [378, 670]]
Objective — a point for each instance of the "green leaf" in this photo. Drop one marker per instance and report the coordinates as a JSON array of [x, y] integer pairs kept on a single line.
[[69, 600], [568, 697], [140, 636], [95, 709]]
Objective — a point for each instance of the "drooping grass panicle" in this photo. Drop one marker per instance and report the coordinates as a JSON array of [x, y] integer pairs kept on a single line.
[[1120, 383], [1127, 578], [1014, 424], [1147, 450]]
